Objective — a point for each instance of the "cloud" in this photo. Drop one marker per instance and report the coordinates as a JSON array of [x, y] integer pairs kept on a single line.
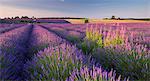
[[83, 8], [9, 11], [62, 0]]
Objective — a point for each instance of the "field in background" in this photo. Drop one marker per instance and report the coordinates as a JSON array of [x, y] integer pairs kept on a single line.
[[82, 21]]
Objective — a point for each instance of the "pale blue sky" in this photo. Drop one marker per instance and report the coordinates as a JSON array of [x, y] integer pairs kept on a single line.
[[76, 8]]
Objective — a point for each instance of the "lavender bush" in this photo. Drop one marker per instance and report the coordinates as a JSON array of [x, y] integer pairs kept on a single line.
[[66, 62], [54, 63], [94, 74], [118, 50]]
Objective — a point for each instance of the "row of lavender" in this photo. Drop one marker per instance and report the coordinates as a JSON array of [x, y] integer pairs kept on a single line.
[[8, 27], [66, 31], [114, 46], [12, 53], [60, 61], [143, 28], [17, 47]]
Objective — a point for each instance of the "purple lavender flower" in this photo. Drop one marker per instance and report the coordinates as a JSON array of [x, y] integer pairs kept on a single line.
[[94, 74]]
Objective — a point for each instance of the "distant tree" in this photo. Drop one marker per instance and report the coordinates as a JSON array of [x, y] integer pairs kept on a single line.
[[113, 17], [86, 21], [24, 17], [119, 18], [105, 18], [8, 18], [33, 17], [17, 17]]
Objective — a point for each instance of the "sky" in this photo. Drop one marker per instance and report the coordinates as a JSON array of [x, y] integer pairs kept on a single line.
[[75, 8]]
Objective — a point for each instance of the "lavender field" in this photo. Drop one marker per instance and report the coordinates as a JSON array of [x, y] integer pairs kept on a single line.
[[75, 52]]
